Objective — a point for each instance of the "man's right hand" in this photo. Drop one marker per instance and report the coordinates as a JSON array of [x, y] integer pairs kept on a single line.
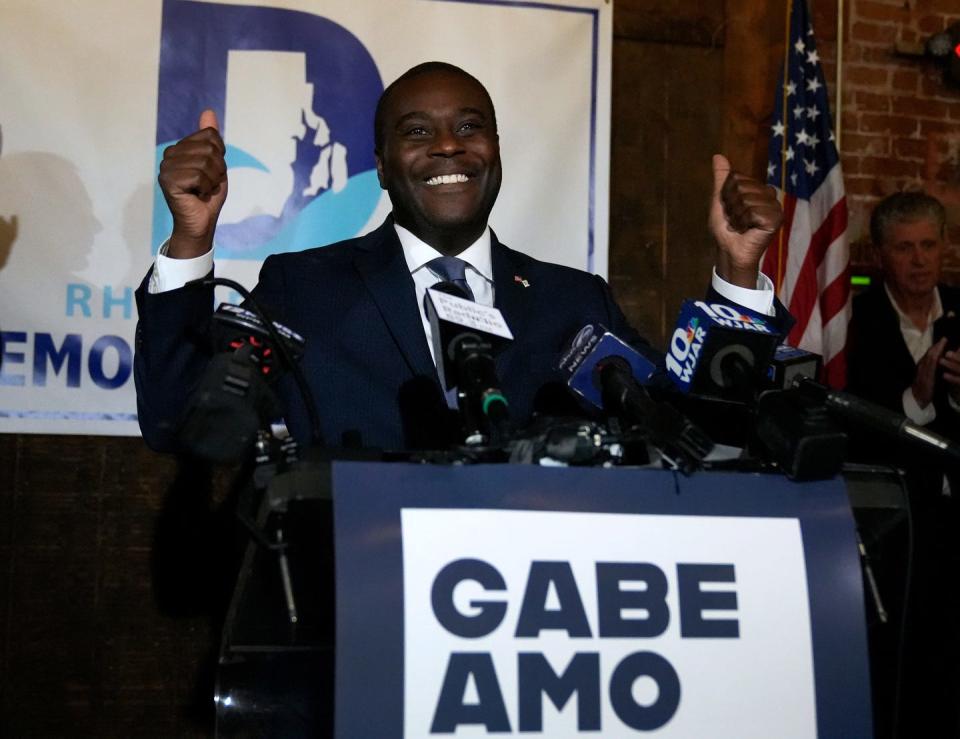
[[193, 178], [926, 377]]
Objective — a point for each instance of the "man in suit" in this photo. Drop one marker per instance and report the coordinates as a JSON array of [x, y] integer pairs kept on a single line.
[[896, 359], [359, 303], [893, 357]]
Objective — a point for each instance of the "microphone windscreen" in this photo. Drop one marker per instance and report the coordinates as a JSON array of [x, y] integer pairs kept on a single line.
[[592, 345]]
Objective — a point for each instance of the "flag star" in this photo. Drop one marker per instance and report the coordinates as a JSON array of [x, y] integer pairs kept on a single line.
[[793, 179], [813, 57], [798, 111], [800, 46], [813, 141], [810, 166], [777, 129], [813, 84], [813, 112], [832, 138], [802, 137], [790, 153], [791, 88], [771, 170]]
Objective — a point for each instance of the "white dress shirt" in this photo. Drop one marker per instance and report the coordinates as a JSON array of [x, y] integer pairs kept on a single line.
[[918, 343]]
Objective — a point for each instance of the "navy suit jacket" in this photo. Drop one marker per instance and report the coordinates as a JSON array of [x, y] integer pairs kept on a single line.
[[880, 367], [366, 358]]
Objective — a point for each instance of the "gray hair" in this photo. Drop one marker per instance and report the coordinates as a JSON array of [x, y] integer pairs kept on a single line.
[[903, 207]]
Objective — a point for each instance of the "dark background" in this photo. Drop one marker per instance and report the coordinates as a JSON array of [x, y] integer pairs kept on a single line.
[[91, 646]]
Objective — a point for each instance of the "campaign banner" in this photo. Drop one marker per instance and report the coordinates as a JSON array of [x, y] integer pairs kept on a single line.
[[526, 601], [94, 92]]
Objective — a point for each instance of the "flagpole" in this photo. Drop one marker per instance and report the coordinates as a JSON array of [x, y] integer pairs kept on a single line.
[[783, 148], [838, 87]]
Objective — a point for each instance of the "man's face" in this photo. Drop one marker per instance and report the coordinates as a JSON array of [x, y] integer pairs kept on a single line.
[[911, 255], [441, 156]]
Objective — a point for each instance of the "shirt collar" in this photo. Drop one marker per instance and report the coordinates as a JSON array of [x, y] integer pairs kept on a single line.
[[936, 310], [417, 253]]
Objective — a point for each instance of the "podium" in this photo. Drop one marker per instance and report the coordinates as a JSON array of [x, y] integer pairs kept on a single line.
[[522, 600]]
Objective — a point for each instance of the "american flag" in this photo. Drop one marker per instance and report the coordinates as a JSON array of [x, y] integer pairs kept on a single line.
[[809, 259]]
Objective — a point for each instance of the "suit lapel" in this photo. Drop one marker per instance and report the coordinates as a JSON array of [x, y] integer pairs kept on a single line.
[[513, 299], [384, 271]]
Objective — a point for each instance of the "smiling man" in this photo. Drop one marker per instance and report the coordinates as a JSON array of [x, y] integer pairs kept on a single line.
[[359, 303]]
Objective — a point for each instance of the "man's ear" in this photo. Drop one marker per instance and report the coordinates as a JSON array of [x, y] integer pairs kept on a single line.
[[378, 157]]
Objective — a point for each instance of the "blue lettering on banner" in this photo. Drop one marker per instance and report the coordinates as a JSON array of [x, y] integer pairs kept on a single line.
[[536, 677], [634, 715], [490, 613], [81, 296], [692, 622], [8, 357], [125, 301], [109, 361], [69, 352], [78, 298], [489, 711], [581, 677], [612, 599], [124, 363], [534, 616]]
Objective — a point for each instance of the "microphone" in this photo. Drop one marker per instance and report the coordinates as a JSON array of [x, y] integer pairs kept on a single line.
[[720, 351], [215, 425], [228, 407], [604, 370], [875, 417], [465, 336], [790, 363], [794, 368], [592, 344]]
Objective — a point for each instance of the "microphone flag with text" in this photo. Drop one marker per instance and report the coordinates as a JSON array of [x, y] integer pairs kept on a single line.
[[466, 335], [718, 350], [609, 374]]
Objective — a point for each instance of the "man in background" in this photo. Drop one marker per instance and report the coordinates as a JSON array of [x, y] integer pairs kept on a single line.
[[902, 355], [897, 356]]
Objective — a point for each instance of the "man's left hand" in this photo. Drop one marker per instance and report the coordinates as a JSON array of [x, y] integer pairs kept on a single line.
[[744, 217]]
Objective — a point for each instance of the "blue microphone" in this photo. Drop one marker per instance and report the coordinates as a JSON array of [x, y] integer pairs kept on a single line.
[[718, 350], [590, 347], [608, 373]]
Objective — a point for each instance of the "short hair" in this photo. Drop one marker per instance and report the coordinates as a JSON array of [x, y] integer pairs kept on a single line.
[[423, 68], [902, 207]]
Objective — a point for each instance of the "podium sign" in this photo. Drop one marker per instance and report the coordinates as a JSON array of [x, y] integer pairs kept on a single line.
[[518, 600]]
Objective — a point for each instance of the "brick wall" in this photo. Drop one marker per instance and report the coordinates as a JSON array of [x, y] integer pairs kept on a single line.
[[900, 120]]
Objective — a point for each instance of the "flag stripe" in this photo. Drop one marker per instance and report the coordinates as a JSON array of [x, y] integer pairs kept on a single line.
[[835, 371], [775, 258], [835, 295], [807, 288]]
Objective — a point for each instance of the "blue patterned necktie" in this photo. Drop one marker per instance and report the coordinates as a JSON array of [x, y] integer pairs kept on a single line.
[[452, 269]]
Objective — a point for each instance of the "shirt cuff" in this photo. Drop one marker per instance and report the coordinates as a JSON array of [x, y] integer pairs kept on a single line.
[[913, 411], [759, 300], [170, 274]]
